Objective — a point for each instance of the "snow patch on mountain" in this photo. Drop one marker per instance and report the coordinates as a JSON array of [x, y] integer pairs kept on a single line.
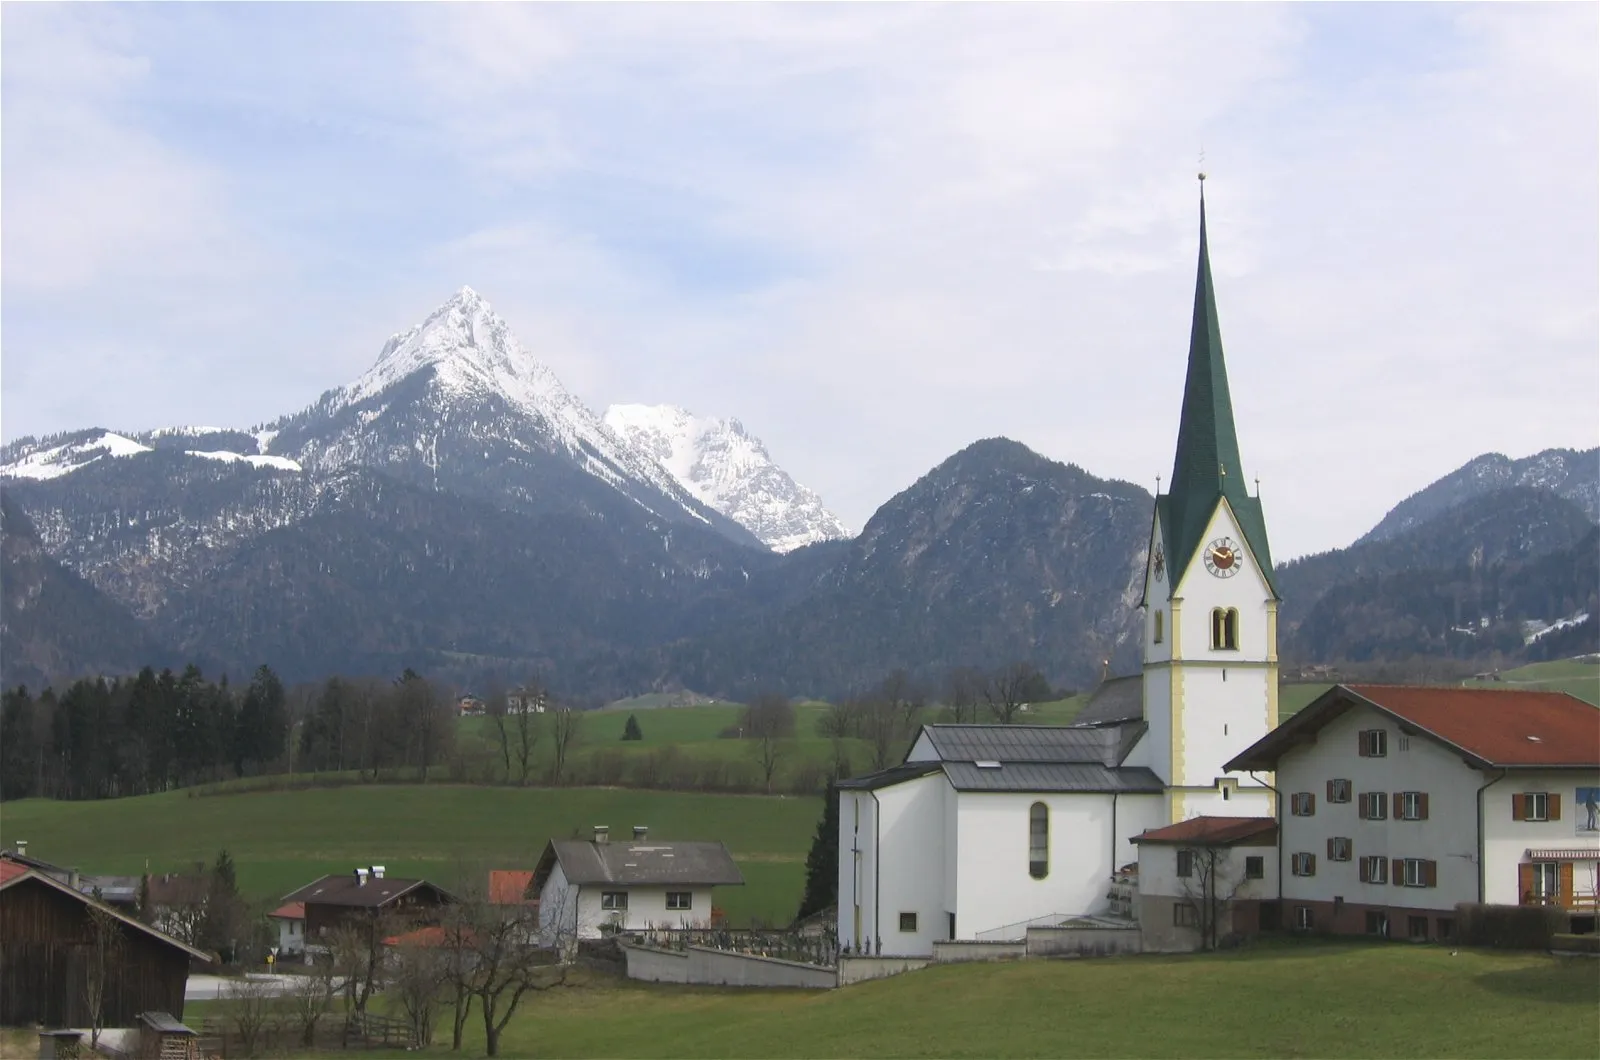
[[730, 470], [282, 463], [49, 462]]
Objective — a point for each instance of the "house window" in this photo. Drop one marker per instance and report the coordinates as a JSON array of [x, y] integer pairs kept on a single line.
[[1536, 806], [1185, 864], [1374, 743], [1303, 918], [1302, 804], [1225, 629], [1160, 627], [1340, 848], [908, 921], [1374, 806], [1405, 745], [1338, 791], [1304, 864], [1417, 872], [1184, 914], [1255, 867], [1546, 879], [614, 900], [1038, 840], [1417, 927], [1444, 928], [1375, 869], [1378, 923], [680, 899], [1411, 806]]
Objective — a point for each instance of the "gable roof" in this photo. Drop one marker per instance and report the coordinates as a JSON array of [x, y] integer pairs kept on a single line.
[[34, 876], [1489, 727], [1116, 700], [1207, 467], [1043, 758], [1051, 776], [638, 864], [342, 889], [289, 911], [510, 886], [1026, 743], [10, 870], [1215, 831]]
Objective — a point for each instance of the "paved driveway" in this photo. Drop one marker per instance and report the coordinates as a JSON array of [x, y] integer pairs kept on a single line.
[[211, 987]]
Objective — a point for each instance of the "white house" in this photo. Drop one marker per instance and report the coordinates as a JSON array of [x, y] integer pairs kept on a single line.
[[984, 828], [291, 921], [1397, 802], [1205, 879], [587, 887]]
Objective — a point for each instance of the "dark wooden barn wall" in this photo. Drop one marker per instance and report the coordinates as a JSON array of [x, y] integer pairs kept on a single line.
[[44, 961]]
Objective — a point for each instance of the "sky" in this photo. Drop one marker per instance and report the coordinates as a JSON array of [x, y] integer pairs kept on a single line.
[[874, 234]]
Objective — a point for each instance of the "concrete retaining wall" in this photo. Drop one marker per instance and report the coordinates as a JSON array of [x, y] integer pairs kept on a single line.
[[1082, 942], [860, 969], [954, 952], [708, 967]]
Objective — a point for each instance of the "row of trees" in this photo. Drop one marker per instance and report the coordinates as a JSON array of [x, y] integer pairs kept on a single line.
[[132, 736]]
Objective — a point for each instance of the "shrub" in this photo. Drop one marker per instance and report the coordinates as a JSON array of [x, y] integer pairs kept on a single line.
[[1509, 927]]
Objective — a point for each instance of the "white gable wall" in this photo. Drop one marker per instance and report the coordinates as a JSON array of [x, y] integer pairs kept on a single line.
[[1507, 841], [911, 837]]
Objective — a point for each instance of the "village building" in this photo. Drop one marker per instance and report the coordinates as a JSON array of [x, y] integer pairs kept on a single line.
[[290, 920], [588, 888], [986, 830], [1205, 880], [53, 947], [363, 899], [1398, 802]]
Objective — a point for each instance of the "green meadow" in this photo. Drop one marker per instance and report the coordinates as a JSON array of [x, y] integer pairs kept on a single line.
[[1579, 677], [1288, 998], [444, 832]]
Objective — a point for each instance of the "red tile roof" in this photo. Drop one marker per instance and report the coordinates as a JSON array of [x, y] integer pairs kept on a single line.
[[10, 869], [1493, 727], [1217, 831], [434, 935], [510, 886], [289, 911]]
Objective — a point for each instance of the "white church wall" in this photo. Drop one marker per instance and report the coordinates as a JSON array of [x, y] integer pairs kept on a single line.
[[911, 836], [857, 867], [1157, 599], [1135, 814], [922, 750]]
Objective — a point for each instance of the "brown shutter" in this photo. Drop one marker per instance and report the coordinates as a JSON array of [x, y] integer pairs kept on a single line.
[[1330, 791], [1430, 873], [1361, 744], [1565, 877], [1554, 802], [1311, 805], [1330, 848], [1524, 884], [1311, 867], [1398, 796], [1397, 872], [1519, 808], [1366, 874], [1422, 810]]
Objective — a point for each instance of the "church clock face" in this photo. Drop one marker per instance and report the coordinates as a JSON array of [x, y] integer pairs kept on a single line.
[[1223, 557]]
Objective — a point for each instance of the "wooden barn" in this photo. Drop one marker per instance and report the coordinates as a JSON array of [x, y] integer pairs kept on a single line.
[[364, 897], [48, 935]]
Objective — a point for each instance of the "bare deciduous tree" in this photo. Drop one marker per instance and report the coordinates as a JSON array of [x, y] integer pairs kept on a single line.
[[769, 722], [1211, 887], [418, 975], [103, 965], [1005, 690], [529, 729], [963, 694], [494, 705], [566, 726], [312, 997], [251, 1003]]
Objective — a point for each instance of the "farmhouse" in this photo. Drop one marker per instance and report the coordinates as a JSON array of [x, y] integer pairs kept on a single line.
[[588, 887], [1204, 879], [1399, 802], [290, 918], [985, 830], [361, 898], [57, 941]]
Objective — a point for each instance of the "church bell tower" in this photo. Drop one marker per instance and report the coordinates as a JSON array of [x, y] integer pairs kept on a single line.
[[1211, 598]]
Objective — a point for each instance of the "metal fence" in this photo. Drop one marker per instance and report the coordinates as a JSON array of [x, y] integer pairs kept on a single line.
[[820, 948]]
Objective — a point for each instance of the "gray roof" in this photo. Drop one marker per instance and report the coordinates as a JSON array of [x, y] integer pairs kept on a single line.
[[893, 775], [1117, 700], [642, 863], [1050, 776], [1025, 743], [343, 889]]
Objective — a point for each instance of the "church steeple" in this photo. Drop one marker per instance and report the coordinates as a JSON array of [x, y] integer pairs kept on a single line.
[[1207, 467]]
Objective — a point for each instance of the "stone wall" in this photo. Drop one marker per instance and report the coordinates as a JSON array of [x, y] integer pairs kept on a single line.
[[1083, 941], [955, 952], [861, 969], [708, 967]]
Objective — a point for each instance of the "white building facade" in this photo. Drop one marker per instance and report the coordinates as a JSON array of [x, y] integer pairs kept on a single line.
[[588, 889], [1398, 802]]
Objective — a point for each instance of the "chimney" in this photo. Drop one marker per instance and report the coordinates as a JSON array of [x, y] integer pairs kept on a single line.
[[641, 832], [602, 834], [377, 872], [361, 877], [22, 848]]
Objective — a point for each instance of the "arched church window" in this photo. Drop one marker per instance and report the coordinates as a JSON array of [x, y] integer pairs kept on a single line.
[[1225, 629], [1160, 629], [1038, 840]]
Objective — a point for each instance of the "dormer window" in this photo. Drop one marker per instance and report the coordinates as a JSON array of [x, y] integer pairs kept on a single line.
[[1225, 629]]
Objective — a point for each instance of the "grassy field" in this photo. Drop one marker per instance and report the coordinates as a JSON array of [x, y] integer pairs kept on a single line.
[[1280, 999], [282, 839], [1579, 677]]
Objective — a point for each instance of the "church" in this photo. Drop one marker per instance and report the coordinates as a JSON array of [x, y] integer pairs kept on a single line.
[[986, 829]]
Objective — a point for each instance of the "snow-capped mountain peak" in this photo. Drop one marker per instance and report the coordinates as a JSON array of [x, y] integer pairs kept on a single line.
[[728, 469]]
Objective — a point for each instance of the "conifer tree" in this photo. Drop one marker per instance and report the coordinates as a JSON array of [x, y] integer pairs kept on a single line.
[[822, 862], [631, 730]]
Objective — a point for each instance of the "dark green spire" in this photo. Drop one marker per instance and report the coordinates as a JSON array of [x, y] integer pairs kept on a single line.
[[1207, 467]]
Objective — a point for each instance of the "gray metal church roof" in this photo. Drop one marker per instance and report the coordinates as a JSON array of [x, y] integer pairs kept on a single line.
[[1117, 700], [1025, 743], [1050, 776]]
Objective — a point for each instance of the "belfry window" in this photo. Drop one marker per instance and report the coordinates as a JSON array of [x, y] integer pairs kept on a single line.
[[1038, 840], [1160, 627], [1225, 629]]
